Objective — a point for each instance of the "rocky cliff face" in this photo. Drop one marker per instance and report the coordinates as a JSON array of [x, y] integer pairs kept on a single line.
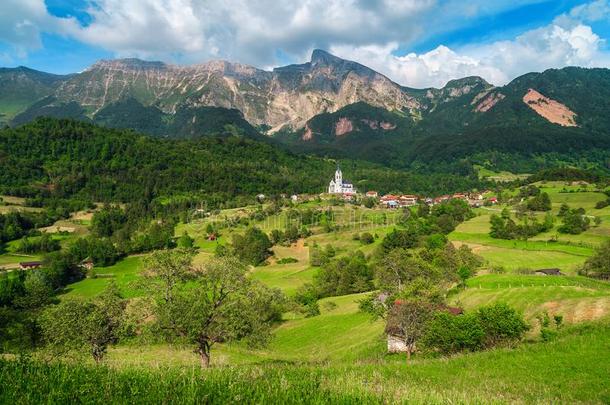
[[286, 96], [289, 97]]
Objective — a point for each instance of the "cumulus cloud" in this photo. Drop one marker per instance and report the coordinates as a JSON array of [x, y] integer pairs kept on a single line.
[[22, 22], [369, 31], [565, 42]]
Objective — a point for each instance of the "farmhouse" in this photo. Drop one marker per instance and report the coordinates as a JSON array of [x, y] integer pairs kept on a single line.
[[29, 265], [86, 264], [340, 186], [372, 194]]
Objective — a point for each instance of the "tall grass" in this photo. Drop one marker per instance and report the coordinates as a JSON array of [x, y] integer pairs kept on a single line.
[[574, 368]]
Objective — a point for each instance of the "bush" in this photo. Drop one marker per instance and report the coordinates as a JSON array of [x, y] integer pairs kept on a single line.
[[366, 238], [447, 333], [287, 260], [502, 324]]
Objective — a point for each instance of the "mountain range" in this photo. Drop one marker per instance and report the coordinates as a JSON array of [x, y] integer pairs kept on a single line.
[[328, 106]]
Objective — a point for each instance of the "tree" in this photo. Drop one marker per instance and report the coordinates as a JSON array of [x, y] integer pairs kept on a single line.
[[407, 321], [165, 269], [185, 241], [73, 323], [369, 202], [541, 202], [403, 273], [574, 222], [563, 210], [219, 303], [598, 265], [253, 247], [345, 275]]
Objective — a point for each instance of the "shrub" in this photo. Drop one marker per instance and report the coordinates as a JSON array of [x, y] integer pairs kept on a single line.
[[287, 260], [366, 238], [502, 324], [447, 333]]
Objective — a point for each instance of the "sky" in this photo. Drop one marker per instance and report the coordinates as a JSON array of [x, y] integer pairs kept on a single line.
[[417, 43]]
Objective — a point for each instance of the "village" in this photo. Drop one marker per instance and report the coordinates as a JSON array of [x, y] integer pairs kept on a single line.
[[345, 190]]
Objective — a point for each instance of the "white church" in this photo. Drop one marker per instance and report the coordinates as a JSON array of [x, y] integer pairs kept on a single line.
[[340, 186]]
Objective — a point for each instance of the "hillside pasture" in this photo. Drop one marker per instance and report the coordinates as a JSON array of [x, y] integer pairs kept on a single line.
[[123, 274]]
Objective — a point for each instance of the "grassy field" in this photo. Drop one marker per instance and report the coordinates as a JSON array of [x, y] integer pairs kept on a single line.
[[124, 273], [498, 176], [549, 249], [577, 299], [340, 355], [573, 368]]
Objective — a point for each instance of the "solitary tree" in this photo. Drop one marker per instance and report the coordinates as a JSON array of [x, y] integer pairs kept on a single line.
[[74, 324], [407, 321], [218, 304]]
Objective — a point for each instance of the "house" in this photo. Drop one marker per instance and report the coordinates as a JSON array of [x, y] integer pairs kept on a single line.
[[441, 199], [372, 194], [30, 265], [340, 186], [294, 198], [260, 197], [407, 200], [493, 200], [459, 196], [86, 264], [212, 237], [389, 200], [548, 272], [474, 203], [348, 196]]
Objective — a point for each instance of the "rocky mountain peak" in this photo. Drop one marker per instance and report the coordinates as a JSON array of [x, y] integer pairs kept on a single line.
[[128, 64]]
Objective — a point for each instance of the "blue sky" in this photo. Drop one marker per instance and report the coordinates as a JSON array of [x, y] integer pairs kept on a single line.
[[415, 42]]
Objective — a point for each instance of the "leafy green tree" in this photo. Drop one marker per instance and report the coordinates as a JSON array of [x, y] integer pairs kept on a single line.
[[407, 320], [574, 222], [369, 202], [218, 304], [74, 324], [345, 275], [253, 247], [185, 241], [598, 265], [366, 238], [541, 202], [563, 210], [164, 270]]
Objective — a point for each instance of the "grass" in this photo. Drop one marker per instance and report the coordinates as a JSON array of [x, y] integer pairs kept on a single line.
[[573, 368], [10, 260], [577, 299], [124, 273], [287, 277]]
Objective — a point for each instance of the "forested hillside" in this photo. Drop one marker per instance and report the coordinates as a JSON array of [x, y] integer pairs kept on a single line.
[[67, 158]]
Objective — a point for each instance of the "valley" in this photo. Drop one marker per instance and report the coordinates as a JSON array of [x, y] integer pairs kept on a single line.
[[170, 231]]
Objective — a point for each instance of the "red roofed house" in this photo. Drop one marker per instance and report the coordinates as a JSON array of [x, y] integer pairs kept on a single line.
[[372, 194], [408, 200], [29, 265]]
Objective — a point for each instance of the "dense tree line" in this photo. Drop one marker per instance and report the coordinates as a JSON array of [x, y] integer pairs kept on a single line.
[[90, 163]]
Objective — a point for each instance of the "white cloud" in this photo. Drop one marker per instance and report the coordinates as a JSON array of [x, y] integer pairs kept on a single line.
[[369, 31], [552, 46], [22, 22]]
